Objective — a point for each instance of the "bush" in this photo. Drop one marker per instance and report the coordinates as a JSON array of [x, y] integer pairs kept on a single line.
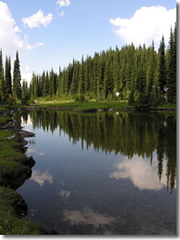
[[81, 99]]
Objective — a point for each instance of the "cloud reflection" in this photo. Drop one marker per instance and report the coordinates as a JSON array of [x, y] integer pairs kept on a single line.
[[142, 174], [41, 178], [87, 216], [64, 193], [31, 150]]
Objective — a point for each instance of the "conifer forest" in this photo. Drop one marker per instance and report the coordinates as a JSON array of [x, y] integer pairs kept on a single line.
[[140, 75]]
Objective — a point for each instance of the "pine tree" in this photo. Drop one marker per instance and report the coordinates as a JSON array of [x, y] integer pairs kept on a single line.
[[2, 82], [25, 92], [8, 78], [81, 85], [162, 77], [17, 78], [172, 67], [75, 77]]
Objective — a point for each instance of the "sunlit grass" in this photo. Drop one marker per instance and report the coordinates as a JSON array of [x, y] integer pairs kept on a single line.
[[92, 104]]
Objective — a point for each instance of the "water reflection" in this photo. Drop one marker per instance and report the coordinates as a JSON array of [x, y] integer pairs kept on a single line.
[[126, 133], [41, 178], [32, 150], [64, 193], [87, 216], [141, 173], [107, 173]]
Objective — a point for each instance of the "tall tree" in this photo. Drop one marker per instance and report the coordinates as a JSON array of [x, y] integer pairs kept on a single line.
[[81, 85], [162, 77], [2, 83], [17, 78], [172, 67], [8, 78], [25, 92]]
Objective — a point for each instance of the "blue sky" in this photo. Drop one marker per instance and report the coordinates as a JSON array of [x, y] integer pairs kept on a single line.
[[50, 33]]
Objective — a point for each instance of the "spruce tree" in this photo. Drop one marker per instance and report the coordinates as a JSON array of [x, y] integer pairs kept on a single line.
[[8, 78], [172, 67], [162, 77], [17, 78], [2, 83]]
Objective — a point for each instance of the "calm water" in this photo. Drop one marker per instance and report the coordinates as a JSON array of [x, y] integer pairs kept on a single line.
[[104, 173]]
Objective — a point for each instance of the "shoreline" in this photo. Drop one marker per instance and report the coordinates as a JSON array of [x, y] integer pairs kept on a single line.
[[14, 170], [93, 110]]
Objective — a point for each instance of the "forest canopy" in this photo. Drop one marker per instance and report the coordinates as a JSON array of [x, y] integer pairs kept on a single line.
[[139, 75]]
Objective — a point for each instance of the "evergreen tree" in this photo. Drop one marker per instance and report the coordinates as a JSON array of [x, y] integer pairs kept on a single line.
[[162, 74], [172, 67], [17, 78], [25, 92], [75, 77], [2, 82], [8, 78], [81, 85]]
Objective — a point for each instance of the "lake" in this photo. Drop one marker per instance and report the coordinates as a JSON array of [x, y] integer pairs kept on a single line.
[[102, 173]]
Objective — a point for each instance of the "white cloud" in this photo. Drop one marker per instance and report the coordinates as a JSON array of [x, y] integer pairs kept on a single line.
[[10, 40], [38, 19], [141, 173], [147, 24], [63, 3]]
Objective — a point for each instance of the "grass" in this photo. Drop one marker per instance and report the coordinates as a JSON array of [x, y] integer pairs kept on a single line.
[[12, 165], [11, 223], [4, 119], [167, 105], [92, 104], [10, 152]]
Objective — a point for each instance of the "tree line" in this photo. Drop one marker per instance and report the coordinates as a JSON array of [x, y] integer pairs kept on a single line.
[[140, 75], [10, 88]]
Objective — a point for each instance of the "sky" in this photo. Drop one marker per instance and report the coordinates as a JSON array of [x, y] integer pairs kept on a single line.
[[51, 33]]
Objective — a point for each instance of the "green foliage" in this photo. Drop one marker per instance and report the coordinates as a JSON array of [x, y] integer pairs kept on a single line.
[[81, 99], [172, 67], [17, 78], [131, 99]]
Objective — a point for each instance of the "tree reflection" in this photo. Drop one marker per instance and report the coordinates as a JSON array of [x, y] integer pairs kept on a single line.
[[130, 134]]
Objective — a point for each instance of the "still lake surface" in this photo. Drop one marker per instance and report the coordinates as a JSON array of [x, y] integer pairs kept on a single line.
[[103, 173]]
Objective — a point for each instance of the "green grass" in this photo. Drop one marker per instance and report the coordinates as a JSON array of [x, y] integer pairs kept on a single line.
[[9, 151], [10, 222], [4, 119], [167, 105], [11, 164], [93, 104]]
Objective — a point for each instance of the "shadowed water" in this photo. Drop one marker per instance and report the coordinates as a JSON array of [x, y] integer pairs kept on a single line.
[[103, 173]]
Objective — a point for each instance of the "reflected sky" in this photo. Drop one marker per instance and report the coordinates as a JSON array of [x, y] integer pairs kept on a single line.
[[32, 150], [41, 178], [141, 172], [87, 216], [64, 193], [86, 190]]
